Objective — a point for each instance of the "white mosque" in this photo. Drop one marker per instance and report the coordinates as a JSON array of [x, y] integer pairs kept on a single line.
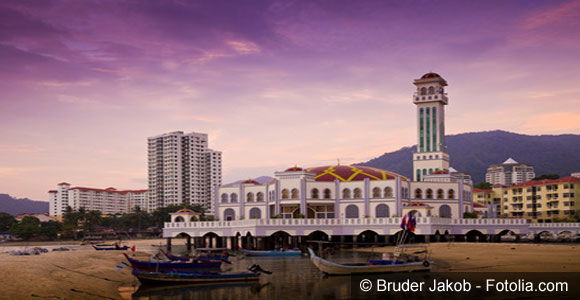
[[357, 192]]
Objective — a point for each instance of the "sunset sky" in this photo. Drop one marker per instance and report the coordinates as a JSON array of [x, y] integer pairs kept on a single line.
[[274, 83]]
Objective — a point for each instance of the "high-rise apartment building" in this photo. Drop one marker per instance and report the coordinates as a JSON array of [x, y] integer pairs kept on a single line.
[[182, 169], [509, 172]]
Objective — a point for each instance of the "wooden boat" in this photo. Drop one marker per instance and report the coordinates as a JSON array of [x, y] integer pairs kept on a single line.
[[108, 248], [172, 266], [378, 266], [287, 252], [161, 278], [196, 257]]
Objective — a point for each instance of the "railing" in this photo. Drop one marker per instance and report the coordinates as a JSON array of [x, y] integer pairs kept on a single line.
[[344, 222], [555, 225]]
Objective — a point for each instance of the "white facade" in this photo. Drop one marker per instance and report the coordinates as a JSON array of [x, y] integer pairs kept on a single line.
[[214, 171], [509, 172], [430, 99], [181, 169], [107, 201]]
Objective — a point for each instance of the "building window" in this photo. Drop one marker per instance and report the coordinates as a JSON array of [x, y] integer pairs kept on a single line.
[[439, 194], [388, 192], [229, 214], [179, 219], [250, 197], [376, 192], [260, 197], [429, 194], [224, 198], [294, 193], [431, 90], [255, 213], [314, 193], [234, 197], [382, 211], [423, 91], [285, 194], [418, 175], [351, 211], [357, 193], [346, 194], [451, 194], [418, 194], [445, 211], [327, 194]]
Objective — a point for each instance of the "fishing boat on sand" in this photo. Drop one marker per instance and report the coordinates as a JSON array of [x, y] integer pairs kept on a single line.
[[109, 248], [405, 263], [160, 278], [171, 266], [283, 252]]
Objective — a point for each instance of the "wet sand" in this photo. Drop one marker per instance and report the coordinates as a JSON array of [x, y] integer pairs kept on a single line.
[[90, 274], [504, 257]]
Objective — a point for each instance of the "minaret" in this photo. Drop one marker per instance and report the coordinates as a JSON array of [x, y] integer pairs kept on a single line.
[[430, 99]]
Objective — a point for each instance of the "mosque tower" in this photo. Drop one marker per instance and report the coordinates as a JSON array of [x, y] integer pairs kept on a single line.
[[430, 99]]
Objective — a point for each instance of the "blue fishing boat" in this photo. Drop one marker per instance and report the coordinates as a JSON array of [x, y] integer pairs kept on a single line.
[[283, 252], [195, 257], [171, 266], [167, 278]]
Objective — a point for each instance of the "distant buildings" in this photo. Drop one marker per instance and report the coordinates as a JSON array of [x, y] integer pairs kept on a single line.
[[108, 201], [182, 170], [538, 200], [509, 172]]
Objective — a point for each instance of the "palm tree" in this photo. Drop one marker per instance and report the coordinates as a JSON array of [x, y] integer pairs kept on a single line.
[[92, 218]]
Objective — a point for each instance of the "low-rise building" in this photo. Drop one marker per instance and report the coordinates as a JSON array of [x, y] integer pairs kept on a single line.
[[543, 200]]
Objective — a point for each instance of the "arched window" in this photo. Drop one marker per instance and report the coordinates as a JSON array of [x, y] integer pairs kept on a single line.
[[423, 91], [327, 194], [260, 197], [357, 193], [233, 197], [346, 194], [314, 194], [418, 175], [429, 194], [430, 170], [376, 193], [431, 90], [285, 194], [424, 171], [179, 219], [450, 194], [382, 211], [294, 193], [440, 194], [388, 192], [351, 211], [250, 197], [418, 194], [229, 214], [255, 213], [224, 198], [445, 211]]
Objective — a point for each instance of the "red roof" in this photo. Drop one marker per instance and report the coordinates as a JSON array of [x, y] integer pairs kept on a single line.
[[430, 75], [250, 181], [108, 190], [351, 173], [417, 204], [475, 204], [476, 190], [293, 169], [64, 183], [547, 181]]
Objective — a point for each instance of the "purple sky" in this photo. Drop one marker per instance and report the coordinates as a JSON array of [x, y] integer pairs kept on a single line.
[[274, 84]]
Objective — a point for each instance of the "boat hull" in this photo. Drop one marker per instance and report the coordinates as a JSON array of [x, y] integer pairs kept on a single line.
[[124, 248], [188, 258], [171, 266], [331, 268], [158, 278], [271, 253]]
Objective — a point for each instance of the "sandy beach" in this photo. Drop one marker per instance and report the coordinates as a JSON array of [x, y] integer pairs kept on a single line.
[[89, 274], [504, 257]]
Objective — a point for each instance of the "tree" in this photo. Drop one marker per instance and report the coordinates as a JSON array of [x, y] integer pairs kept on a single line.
[[92, 218], [470, 215], [547, 176], [27, 228], [50, 229], [161, 214], [6, 221], [483, 186]]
